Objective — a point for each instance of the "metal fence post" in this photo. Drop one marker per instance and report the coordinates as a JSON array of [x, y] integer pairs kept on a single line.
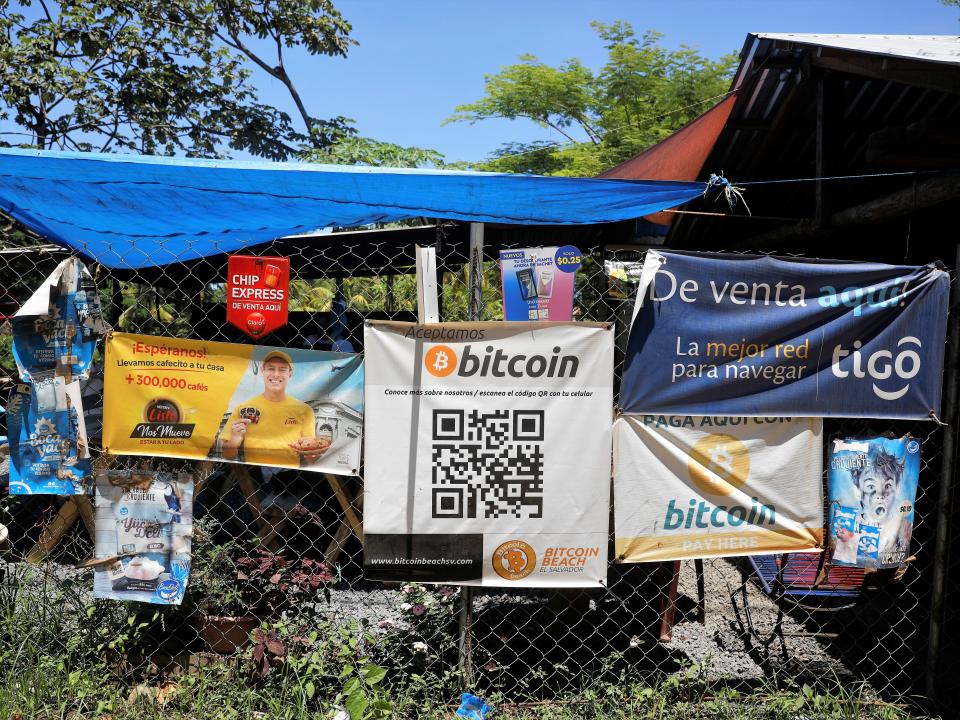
[[476, 272], [474, 312], [945, 496]]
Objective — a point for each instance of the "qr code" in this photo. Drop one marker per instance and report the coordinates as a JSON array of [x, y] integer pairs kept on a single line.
[[487, 462]]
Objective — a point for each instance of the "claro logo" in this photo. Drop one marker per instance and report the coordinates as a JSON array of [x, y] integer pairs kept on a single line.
[[880, 365], [442, 360]]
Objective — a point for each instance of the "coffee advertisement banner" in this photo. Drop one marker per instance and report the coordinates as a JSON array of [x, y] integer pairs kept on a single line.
[[697, 487], [763, 336], [261, 405], [487, 458]]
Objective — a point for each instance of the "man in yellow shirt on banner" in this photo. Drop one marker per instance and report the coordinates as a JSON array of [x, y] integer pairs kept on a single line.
[[272, 428]]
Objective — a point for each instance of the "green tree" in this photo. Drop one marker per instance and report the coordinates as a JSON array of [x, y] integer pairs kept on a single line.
[[166, 76], [366, 151], [642, 94]]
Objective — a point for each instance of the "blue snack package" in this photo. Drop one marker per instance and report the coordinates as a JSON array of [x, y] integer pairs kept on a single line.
[[872, 487], [48, 442], [473, 707], [144, 521], [57, 329]]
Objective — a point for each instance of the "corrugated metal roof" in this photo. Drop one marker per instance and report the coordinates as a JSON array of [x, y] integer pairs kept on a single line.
[[931, 48]]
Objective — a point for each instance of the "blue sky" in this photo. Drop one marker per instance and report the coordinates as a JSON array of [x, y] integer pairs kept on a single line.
[[418, 59]]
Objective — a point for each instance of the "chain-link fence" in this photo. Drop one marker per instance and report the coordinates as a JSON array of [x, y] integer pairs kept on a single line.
[[254, 525]]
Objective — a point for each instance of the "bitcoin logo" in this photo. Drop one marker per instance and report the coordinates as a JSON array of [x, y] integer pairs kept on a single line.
[[440, 360], [719, 464], [514, 560]]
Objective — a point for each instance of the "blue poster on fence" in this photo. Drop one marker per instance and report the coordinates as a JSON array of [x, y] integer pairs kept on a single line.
[[144, 525], [57, 329], [871, 488], [48, 441], [764, 336]]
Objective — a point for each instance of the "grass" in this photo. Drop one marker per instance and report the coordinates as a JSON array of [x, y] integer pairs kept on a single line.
[[223, 693]]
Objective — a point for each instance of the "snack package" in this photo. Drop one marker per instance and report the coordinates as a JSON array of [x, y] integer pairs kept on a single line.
[[144, 525], [49, 454], [57, 329], [872, 487]]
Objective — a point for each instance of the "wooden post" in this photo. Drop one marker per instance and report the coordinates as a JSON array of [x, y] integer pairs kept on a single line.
[[818, 190], [668, 604]]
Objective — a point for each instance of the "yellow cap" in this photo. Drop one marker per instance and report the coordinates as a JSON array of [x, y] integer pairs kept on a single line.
[[277, 355]]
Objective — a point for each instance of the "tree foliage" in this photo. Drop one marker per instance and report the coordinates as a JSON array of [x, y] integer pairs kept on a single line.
[[366, 151], [641, 95], [165, 76]]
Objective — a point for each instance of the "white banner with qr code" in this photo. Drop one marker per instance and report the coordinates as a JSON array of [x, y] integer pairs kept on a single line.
[[487, 452]]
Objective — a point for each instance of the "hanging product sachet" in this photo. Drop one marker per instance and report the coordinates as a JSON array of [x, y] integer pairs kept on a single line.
[[57, 329]]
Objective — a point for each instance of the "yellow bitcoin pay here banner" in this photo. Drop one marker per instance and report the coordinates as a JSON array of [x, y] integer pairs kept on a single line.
[[251, 404], [695, 487]]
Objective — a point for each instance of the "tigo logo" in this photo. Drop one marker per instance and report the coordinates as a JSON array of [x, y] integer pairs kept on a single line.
[[880, 365], [440, 360], [719, 464], [514, 560]]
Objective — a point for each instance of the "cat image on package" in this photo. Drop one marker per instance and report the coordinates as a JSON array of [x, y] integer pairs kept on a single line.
[[872, 487]]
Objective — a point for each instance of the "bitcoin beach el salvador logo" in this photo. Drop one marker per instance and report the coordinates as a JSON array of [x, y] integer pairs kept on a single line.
[[440, 360], [514, 560], [719, 464]]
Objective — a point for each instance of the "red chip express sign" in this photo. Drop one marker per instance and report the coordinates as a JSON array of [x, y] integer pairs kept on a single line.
[[257, 292]]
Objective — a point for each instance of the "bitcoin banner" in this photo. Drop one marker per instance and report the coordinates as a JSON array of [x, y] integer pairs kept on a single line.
[[694, 487], [240, 403], [487, 458]]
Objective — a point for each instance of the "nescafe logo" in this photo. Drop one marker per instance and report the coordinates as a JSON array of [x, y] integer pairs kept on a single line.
[[161, 410]]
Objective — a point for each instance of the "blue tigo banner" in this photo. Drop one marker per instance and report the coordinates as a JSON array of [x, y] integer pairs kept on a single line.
[[763, 336]]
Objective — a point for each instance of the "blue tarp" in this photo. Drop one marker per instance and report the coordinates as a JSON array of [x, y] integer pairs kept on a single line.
[[128, 211]]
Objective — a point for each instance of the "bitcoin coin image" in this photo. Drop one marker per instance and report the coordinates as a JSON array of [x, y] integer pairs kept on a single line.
[[440, 360], [719, 464], [514, 560]]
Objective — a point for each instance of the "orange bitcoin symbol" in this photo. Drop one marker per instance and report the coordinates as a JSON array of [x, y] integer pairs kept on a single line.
[[719, 464], [440, 360], [514, 560]]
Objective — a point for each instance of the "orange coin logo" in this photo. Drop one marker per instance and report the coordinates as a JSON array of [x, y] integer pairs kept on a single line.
[[514, 560], [440, 360], [719, 464]]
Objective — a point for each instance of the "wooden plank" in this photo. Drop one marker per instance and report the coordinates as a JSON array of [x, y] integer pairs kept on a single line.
[[356, 525], [337, 544], [668, 606], [245, 482], [88, 514], [53, 533], [274, 521], [701, 592]]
